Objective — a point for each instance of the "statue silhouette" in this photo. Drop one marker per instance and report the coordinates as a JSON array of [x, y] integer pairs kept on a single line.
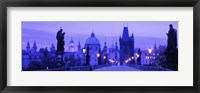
[[60, 42], [172, 50], [172, 38], [139, 57], [87, 56]]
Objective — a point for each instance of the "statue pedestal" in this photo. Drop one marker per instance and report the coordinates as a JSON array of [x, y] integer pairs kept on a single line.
[[60, 60]]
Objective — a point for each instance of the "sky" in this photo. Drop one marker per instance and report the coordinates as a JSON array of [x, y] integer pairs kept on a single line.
[[145, 33]]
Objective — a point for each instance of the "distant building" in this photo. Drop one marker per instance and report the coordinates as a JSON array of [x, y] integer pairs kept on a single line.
[[104, 53], [126, 45], [154, 57], [105, 49], [34, 48], [71, 46], [114, 53], [30, 56], [94, 45], [52, 51], [73, 57]]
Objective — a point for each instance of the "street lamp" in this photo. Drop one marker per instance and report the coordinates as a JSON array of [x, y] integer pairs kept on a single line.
[[150, 50], [150, 57], [137, 55], [84, 50], [98, 55], [104, 57]]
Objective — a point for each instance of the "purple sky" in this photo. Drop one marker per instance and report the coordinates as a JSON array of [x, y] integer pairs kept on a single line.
[[146, 33]]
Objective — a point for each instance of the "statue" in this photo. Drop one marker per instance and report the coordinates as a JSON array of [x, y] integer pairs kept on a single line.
[[139, 57], [60, 42], [172, 38], [87, 56], [172, 50], [60, 48], [99, 57]]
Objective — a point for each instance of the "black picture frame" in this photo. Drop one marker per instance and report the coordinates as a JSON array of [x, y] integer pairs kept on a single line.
[[100, 3]]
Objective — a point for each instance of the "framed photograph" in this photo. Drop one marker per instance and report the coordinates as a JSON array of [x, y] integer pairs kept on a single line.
[[89, 46]]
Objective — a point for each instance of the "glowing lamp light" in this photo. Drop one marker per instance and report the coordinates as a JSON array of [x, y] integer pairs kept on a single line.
[[98, 55], [47, 67], [111, 60], [147, 57], [132, 57], [150, 50], [84, 50], [104, 57], [137, 55]]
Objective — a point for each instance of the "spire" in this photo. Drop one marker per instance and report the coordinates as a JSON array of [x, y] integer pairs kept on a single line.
[[28, 47], [132, 35], [105, 41], [71, 46], [71, 41], [116, 45], [125, 34], [105, 46], [155, 47], [34, 47], [79, 45]]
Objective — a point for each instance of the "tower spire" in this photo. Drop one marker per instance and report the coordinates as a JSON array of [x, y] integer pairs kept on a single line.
[[155, 47], [28, 47], [79, 45], [34, 47], [105, 46], [105, 41], [71, 45], [116, 45], [125, 34]]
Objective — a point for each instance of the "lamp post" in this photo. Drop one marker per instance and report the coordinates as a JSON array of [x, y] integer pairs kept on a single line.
[[88, 56], [98, 55], [150, 51], [84, 50], [84, 60]]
